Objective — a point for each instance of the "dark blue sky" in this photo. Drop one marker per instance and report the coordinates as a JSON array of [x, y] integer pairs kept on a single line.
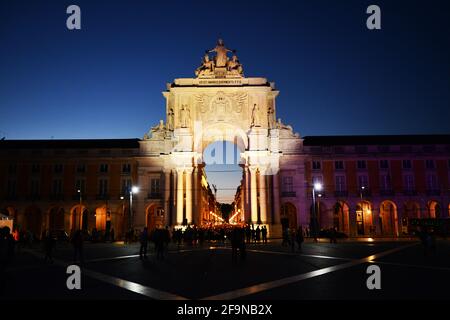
[[335, 76]]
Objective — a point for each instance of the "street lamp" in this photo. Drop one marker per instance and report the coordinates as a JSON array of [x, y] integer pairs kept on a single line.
[[133, 190], [81, 216], [317, 187]]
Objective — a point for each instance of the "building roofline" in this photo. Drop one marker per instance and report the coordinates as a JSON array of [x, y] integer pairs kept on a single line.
[[413, 139], [71, 144]]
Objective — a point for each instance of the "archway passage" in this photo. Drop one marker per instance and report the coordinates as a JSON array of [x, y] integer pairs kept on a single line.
[[33, 221], [288, 216], [411, 210], [341, 217], [222, 184], [364, 219], [389, 218], [434, 210], [79, 218], [56, 219], [155, 217]]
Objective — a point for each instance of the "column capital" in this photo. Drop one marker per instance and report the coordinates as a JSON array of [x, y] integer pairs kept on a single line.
[[253, 168], [189, 170]]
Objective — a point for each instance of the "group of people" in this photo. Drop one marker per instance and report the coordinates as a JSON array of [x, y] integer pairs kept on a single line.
[[161, 239], [292, 236]]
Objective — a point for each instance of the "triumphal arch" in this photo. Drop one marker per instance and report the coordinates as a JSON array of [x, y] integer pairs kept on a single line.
[[219, 104]]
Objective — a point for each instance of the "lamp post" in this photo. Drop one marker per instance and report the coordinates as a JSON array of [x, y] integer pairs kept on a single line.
[[81, 215], [317, 187], [133, 190]]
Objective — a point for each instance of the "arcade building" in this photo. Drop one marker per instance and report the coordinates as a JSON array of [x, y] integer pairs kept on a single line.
[[364, 186]]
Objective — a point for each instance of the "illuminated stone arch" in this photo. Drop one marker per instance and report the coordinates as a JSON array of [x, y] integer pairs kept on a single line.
[[364, 218], [434, 209], [155, 216], [389, 218], [288, 215], [56, 219], [341, 217]]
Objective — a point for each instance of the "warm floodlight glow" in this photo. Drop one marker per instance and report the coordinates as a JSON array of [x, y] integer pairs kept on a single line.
[[318, 186]]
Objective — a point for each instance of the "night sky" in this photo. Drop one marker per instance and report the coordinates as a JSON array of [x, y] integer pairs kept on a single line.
[[335, 75]]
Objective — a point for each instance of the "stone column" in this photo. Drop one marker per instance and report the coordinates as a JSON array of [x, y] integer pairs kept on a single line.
[[179, 196], [253, 197], [262, 195], [166, 195], [195, 187], [189, 195], [276, 198]]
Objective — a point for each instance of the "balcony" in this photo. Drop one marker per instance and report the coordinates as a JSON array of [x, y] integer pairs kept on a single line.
[[433, 192], [387, 192], [154, 195], [341, 194], [288, 194]]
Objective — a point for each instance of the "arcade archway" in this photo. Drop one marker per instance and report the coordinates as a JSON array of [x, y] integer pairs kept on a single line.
[[33, 220], [364, 219], [155, 217], [388, 218], [288, 216], [341, 217], [56, 219]]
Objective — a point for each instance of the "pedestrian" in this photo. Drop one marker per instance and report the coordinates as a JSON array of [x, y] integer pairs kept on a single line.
[[258, 234], [144, 243], [248, 233], [299, 237], [112, 235], [292, 239], [264, 234]]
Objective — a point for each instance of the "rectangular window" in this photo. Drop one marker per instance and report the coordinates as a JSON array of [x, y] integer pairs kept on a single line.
[[81, 168], [126, 186], [432, 183], [58, 168], [362, 164], [103, 187], [34, 188], [430, 164], [339, 165], [104, 168], [80, 184], [126, 168], [35, 168], [408, 182], [57, 186], [340, 183], [363, 181], [406, 164], [288, 184], [384, 164], [316, 165], [385, 184], [155, 186]]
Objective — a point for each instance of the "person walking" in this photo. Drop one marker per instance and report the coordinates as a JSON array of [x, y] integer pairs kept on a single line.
[[264, 234], [299, 237], [144, 243], [258, 234], [292, 239]]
